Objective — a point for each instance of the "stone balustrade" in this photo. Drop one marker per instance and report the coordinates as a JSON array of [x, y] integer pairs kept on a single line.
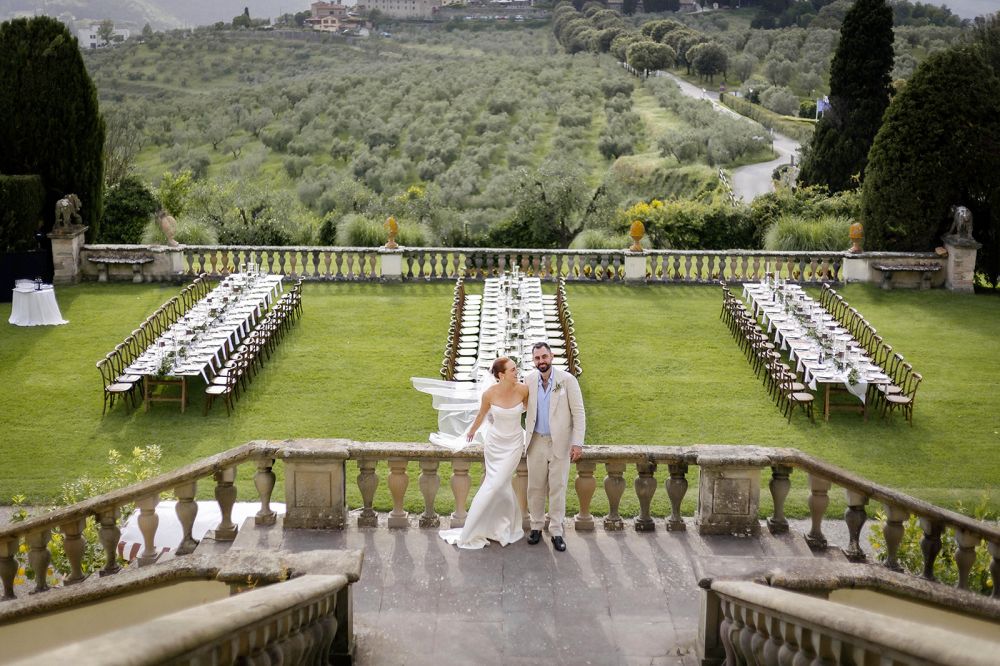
[[423, 264], [758, 623], [315, 492]]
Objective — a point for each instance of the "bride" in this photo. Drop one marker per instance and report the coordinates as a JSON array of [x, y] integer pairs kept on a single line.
[[494, 514]]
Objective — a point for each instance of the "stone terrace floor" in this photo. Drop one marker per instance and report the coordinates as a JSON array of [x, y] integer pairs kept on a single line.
[[612, 598]]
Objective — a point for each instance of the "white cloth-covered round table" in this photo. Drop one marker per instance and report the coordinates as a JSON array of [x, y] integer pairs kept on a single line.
[[34, 307]]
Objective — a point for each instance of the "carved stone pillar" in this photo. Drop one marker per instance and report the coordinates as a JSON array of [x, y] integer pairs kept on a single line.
[[263, 481], [8, 566], [148, 522], [961, 263], [614, 487], [391, 262], [66, 246], [893, 532], [398, 481], [367, 484], [110, 535], [73, 546], [635, 267], [728, 498], [187, 510], [460, 484], [855, 517], [225, 495], [819, 499], [429, 483], [315, 486], [930, 545], [780, 485], [39, 558], [677, 485], [645, 487], [520, 484], [966, 555], [586, 484]]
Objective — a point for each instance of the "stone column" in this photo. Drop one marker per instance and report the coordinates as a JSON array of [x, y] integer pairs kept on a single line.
[[66, 245], [314, 486], [855, 268], [961, 263], [392, 264], [635, 267], [728, 498]]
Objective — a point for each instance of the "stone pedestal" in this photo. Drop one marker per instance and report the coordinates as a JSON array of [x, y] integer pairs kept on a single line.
[[961, 263], [855, 269], [392, 264], [728, 499], [314, 488], [66, 245], [635, 266]]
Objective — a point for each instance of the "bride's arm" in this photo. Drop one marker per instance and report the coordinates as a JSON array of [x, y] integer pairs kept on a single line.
[[483, 408]]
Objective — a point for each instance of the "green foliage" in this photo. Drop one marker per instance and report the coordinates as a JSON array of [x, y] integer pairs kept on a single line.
[[551, 207], [805, 204], [601, 239], [790, 233], [691, 225], [49, 119], [650, 56], [911, 559], [21, 201], [939, 146], [328, 230], [709, 59], [173, 191], [128, 207], [859, 94], [188, 232], [800, 131], [781, 100], [358, 231]]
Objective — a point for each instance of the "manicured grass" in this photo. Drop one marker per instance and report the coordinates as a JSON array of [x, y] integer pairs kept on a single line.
[[659, 368]]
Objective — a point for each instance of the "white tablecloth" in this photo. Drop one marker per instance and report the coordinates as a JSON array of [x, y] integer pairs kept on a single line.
[[32, 307]]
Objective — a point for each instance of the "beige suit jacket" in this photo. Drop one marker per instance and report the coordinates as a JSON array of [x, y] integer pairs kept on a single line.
[[567, 418]]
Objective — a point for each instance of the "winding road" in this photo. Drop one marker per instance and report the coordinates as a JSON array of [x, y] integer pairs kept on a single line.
[[753, 179]]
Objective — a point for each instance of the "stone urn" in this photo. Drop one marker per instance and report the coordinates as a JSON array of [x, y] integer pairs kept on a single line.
[[392, 227], [636, 233], [857, 234]]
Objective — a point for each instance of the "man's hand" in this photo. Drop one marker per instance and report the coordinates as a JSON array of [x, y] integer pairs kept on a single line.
[[575, 453]]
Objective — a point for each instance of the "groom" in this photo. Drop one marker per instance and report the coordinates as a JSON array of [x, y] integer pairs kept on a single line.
[[554, 428]]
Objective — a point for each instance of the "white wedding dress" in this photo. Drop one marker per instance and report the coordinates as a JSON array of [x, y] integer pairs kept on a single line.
[[494, 513]]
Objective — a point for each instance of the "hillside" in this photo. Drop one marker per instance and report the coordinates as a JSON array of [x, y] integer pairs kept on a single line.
[[161, 14]]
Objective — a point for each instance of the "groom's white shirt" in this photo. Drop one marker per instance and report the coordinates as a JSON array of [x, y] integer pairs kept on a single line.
[[567, 418]]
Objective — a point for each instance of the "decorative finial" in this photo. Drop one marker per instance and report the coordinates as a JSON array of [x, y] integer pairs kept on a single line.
[[636, 232], [393, 228], [857, 234]]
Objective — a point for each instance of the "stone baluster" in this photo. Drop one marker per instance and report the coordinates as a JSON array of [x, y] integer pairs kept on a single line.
[[520, 483], [789, 649], [780, 485], [994, 548], [855, 517], [429, 484], [148, 522], [110, 535], [819, 499], [586, 484], [614, 488], [747, 633], [774, 641], [966, 555], [225, 495], [8, 567], [677, 485], [187, 510], [73, 546], [645, 486], [398, 481], [760, 635], [893, 532], [930, 544], [726, 631], [460, 484], [367, 484], [39, 558], [263, 481]]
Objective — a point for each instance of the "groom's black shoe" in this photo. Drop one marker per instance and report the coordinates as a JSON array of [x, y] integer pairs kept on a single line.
[[534, 536], [558, 543]]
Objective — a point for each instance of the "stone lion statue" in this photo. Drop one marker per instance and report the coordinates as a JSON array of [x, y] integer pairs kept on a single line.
[[68, 211], [961, 222]]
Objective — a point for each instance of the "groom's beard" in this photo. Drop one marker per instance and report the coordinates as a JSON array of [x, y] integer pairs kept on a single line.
[[543, 367]]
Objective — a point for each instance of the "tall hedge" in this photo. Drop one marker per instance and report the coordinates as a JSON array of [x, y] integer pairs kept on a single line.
[[21, 202], [50, 123]]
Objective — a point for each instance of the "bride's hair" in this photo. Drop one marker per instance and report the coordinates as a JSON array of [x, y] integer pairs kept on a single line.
[[499, 366]]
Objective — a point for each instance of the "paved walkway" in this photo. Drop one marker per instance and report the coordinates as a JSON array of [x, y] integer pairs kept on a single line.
[[612, 598]]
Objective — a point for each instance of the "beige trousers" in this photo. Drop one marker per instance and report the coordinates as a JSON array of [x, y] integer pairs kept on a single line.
[[548, 476]]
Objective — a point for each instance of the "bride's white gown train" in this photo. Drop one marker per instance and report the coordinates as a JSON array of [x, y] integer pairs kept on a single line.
[[494, 513]]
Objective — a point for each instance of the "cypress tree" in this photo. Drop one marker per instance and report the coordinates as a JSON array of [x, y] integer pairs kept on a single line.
[[859, 94], [50, 123]]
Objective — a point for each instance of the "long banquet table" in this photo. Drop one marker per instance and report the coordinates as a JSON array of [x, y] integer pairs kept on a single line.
[[824, 352], [200, 341]]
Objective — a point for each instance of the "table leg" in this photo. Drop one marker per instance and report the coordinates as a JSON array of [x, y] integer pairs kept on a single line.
[[145, 392], [184, 399], [826, 402]]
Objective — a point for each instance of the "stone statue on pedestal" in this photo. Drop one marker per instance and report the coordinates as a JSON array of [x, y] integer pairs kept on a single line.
[[68, 212]]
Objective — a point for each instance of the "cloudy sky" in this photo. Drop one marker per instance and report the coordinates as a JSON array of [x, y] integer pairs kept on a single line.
[[969, 8]]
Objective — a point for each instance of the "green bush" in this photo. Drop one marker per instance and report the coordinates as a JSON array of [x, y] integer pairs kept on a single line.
[[328, 229], [359, 231], [798, 130], [21, 201], [188, 232], [412, 234], [790, 233], [601, 239], [127, 208]]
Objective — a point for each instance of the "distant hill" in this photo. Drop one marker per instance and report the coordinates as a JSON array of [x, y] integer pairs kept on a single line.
[[161, 14]]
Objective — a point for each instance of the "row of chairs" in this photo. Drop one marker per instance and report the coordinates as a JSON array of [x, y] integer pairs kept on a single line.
[[782, 382], [257, 347], [117, 383], [901, 393], [454, 331], [566, 331]]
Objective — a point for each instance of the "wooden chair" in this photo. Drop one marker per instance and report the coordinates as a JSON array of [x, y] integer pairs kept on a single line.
[[903, 400], [226, 389], [113, 388], [803, 399]]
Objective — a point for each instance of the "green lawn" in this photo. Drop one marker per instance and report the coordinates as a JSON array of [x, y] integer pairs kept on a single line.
[[659, 368]]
